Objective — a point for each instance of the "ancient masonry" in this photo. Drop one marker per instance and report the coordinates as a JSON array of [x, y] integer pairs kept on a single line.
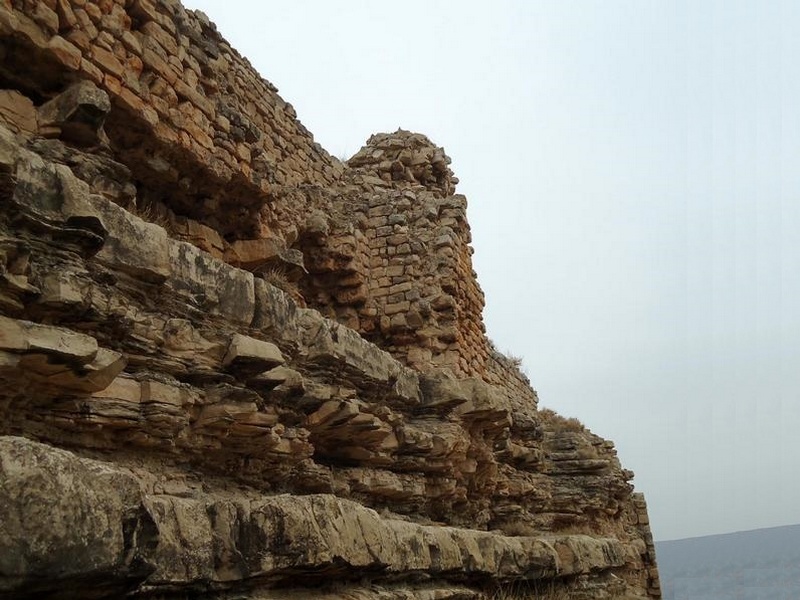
[[232, 366]]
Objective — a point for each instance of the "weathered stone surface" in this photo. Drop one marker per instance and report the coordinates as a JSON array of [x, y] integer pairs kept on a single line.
[[251, 254], [331, 343], [406, 157], [210, 285], [257, 354], [353, 427], [136, 246], [9, 151], [17, 112], [104, 524], [65, 521], [59, 357], [275, 313], [27, 337], [90, 377], [78, 113]]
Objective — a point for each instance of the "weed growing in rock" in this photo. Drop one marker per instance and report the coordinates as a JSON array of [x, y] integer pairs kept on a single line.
[[560, 423], [530, 591]]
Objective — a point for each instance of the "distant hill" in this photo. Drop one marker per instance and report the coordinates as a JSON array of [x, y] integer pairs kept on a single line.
[[763, 564]]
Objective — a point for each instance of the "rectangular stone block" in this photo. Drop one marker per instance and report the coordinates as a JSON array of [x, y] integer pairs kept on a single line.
[[67, 53], [245, 349], [107, 61], [210, 284], [132, 245], [25, 336]]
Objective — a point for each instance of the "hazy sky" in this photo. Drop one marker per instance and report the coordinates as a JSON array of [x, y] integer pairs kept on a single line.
[[633, 177]]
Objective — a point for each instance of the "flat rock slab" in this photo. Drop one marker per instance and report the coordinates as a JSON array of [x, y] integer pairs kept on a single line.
[[63, 518], [25, 336], [244, 349], [99, 521]]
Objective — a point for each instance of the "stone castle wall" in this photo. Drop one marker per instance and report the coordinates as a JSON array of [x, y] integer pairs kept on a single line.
[[506, 374], [222, 158], [189, 116], [265, 364], [409, 284]]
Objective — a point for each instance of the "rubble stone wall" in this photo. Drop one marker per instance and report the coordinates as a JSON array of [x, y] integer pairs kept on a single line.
[[506, 373], [192, 118], [219, 156], [408, 284]]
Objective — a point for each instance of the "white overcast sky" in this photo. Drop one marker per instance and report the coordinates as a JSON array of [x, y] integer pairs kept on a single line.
[[633, 177]]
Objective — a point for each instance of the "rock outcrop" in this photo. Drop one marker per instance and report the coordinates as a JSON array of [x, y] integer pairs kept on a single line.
[[233, 367]]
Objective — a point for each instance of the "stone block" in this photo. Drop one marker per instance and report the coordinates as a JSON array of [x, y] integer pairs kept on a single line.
[[62, 289], [330, 343], [67, 53], [79, 112], [210, 285], [275, 312], [251, 254], [18, 112], [87, 68], [257, 353], [87, 515], [155, 392], [132, 245], [153, 62], [391, 309], [25, 336], [91, 377], [135, 105]]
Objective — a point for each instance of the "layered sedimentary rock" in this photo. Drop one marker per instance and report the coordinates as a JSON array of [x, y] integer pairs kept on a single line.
[[233, 367]]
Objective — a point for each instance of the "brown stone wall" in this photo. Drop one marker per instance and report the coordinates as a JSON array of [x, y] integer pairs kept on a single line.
[[406, 280], [649, 574], [505, 373], [191, 118], [421, 287], [221, 160]]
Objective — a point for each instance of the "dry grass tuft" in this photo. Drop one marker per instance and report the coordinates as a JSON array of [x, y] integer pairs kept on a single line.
[[277, 277], [530, 591], [508, 359], [153, 213], [516, 361], [556, 421]]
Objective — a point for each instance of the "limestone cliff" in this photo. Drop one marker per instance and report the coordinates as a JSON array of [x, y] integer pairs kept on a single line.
[[232, 366]]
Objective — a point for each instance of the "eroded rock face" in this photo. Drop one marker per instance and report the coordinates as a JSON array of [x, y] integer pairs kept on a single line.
[[103, 523], [406, 159], [67, 521], [172, 424]]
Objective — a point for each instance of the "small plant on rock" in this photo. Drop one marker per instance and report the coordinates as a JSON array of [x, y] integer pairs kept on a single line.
[[560, 423], [530, 591], [277, 277]]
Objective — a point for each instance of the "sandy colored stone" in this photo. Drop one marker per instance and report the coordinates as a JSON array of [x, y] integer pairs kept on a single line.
[[399, 455], [18, 112], [187, 539], [209, 284], [93, 513], [258, 353], [136, 246], [67, 53], [79, 112], [26, 337]]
